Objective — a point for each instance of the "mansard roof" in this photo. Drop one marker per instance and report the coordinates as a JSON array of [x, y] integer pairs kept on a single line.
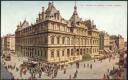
[[51, 10], [25, 24], [51, 13], [22, 25]]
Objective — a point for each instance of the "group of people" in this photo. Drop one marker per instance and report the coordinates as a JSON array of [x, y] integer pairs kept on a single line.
[[50, 69], [116, 72], [88, 65], [11, 67], [23, 70], [75, 74]]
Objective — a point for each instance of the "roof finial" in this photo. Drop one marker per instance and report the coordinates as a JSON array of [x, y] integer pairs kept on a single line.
[[75, 6], [75, 2]]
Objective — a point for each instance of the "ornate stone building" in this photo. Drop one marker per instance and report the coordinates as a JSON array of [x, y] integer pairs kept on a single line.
[[104, 42], [54, 39], [119, 40], [2, 44], [9, 43]]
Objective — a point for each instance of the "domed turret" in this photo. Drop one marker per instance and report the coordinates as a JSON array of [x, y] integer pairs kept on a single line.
[[75, 17]]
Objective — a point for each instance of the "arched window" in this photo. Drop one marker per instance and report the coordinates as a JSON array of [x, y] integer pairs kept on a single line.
[[84, 51], [81, 41], [41, 53], [80, 51], [45, 53], [78, 41], [58, 26], [68, 52], [38, 53], [77, 51], [45, 40], [58, 40], [52, 53], [87, 50], [72, 52], [52, 39], [68, 40], [73, 41], [63, 40], [63, 53], [58, 53]]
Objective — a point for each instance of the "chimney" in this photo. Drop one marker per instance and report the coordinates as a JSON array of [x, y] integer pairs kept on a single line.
[[42, 9], [39, 16], [20, 23]]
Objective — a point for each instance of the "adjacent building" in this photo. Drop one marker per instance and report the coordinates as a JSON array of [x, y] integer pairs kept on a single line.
[[113, 44], [104, 42], [125, 44], [2, 44], [120, 42], [54, 39], [9, 43]]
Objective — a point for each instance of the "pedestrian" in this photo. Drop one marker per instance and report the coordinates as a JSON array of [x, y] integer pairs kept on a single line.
[[40, 75], [113, 67], [30, 78], [107, 77], [101, 60], [71, 64], [74, 75], [17, 69], [108, 70], [87, 65], [84, 65], [91, 66], [69, 76], [76, 71], [20, 74], [104, 76], [109, 59], [64, 71]]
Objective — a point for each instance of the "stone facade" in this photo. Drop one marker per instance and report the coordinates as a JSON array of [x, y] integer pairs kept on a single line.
[[119, 41], [125, 44], [2, 44], [104, 41], [54, 39], [9, 43], [113, 44]]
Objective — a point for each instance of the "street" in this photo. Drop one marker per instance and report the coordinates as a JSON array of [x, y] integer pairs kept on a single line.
[[98, 69], [96, 72]]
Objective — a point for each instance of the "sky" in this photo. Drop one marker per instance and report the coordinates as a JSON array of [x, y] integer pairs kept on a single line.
[[109, 16]]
